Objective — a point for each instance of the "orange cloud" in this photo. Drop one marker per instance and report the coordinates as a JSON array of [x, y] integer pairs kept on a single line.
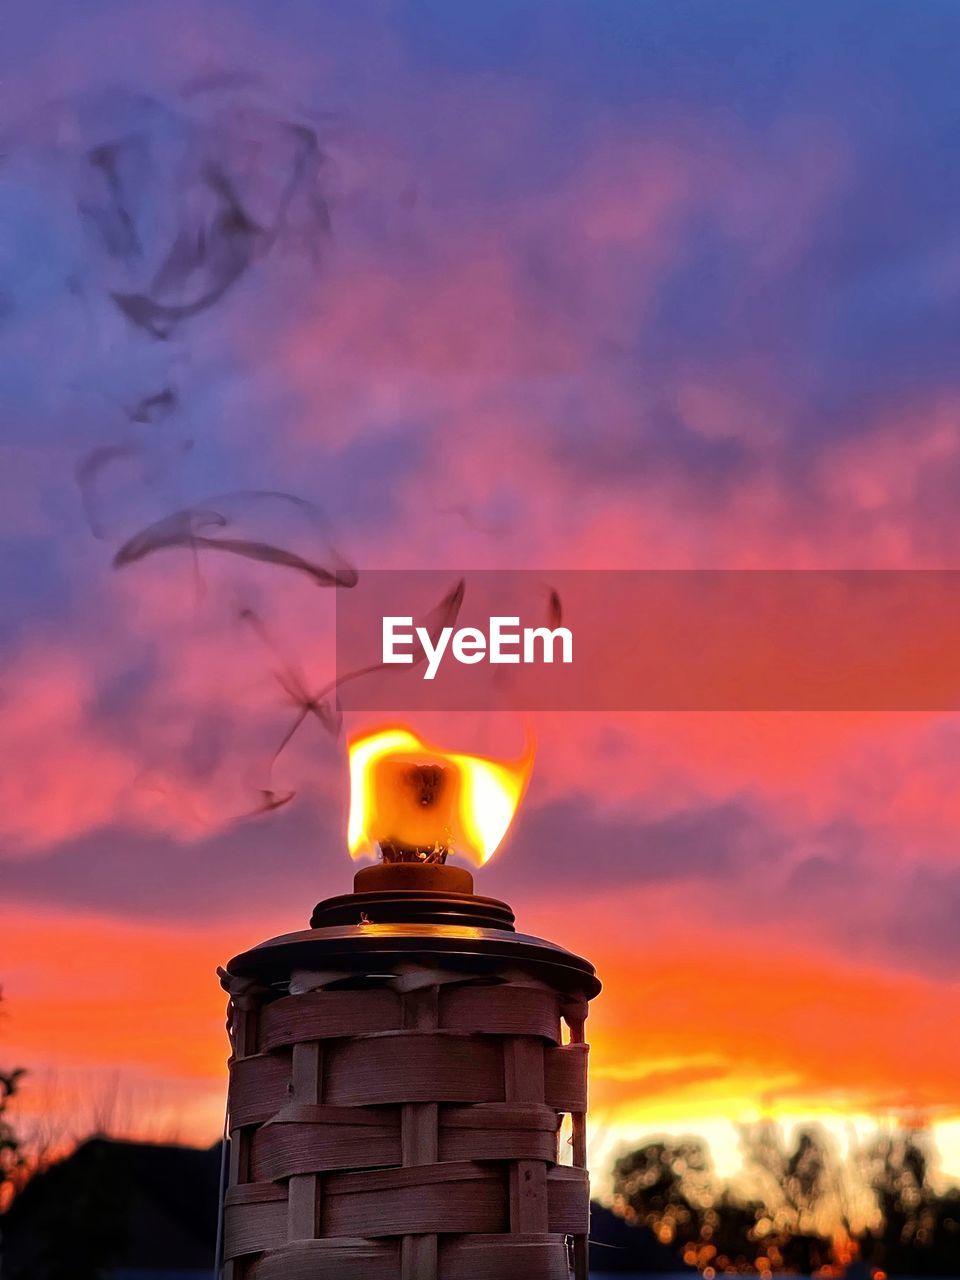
[[784, 1023]]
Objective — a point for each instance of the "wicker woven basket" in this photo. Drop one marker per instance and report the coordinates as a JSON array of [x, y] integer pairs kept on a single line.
[[397, 1093]]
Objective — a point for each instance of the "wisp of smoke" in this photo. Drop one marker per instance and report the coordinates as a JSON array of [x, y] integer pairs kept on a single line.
[[185, 528]]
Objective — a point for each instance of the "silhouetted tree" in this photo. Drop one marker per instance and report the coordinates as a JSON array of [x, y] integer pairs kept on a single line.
[[780, 1216], [799, 1196], [799, 1207], [920, 1227], [11, 1158], [667, 1187]]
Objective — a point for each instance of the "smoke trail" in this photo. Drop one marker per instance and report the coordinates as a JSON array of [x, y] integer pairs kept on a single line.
[[186, 529]]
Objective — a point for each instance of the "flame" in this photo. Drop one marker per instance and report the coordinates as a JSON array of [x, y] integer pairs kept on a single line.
[[405, 792]]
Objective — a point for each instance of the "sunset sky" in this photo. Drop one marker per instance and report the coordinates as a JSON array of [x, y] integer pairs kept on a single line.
[[632, 284]]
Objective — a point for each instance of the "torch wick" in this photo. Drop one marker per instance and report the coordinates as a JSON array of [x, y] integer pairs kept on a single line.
[[397, 851]]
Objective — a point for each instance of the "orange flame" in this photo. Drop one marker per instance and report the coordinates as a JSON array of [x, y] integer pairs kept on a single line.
[[403, 791]]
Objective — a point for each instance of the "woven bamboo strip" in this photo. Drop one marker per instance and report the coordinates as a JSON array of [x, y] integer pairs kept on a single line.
[[419, 1139], [323, 1113], [253, 1227], [523, 1065], [507, 1010], [406, 1066], [514, 1257], [303, 1188], [575, 1016], [341, 1259], [255, 1193], [497, 1144], [452, 1172], [568, 1195], [326, 1015], [501, 1115], [440, 1198], [576, 1024], [413, 1066], [244, 1042], [302, 1139], [447, 1199], [565, 1073], [259, 1087], [244, 1028], [495, 1131]]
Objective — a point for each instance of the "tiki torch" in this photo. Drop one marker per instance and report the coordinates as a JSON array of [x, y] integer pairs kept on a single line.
[[402, 1069]]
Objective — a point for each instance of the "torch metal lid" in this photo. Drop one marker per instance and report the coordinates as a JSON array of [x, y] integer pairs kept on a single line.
[[367, 949], [403, 912]]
